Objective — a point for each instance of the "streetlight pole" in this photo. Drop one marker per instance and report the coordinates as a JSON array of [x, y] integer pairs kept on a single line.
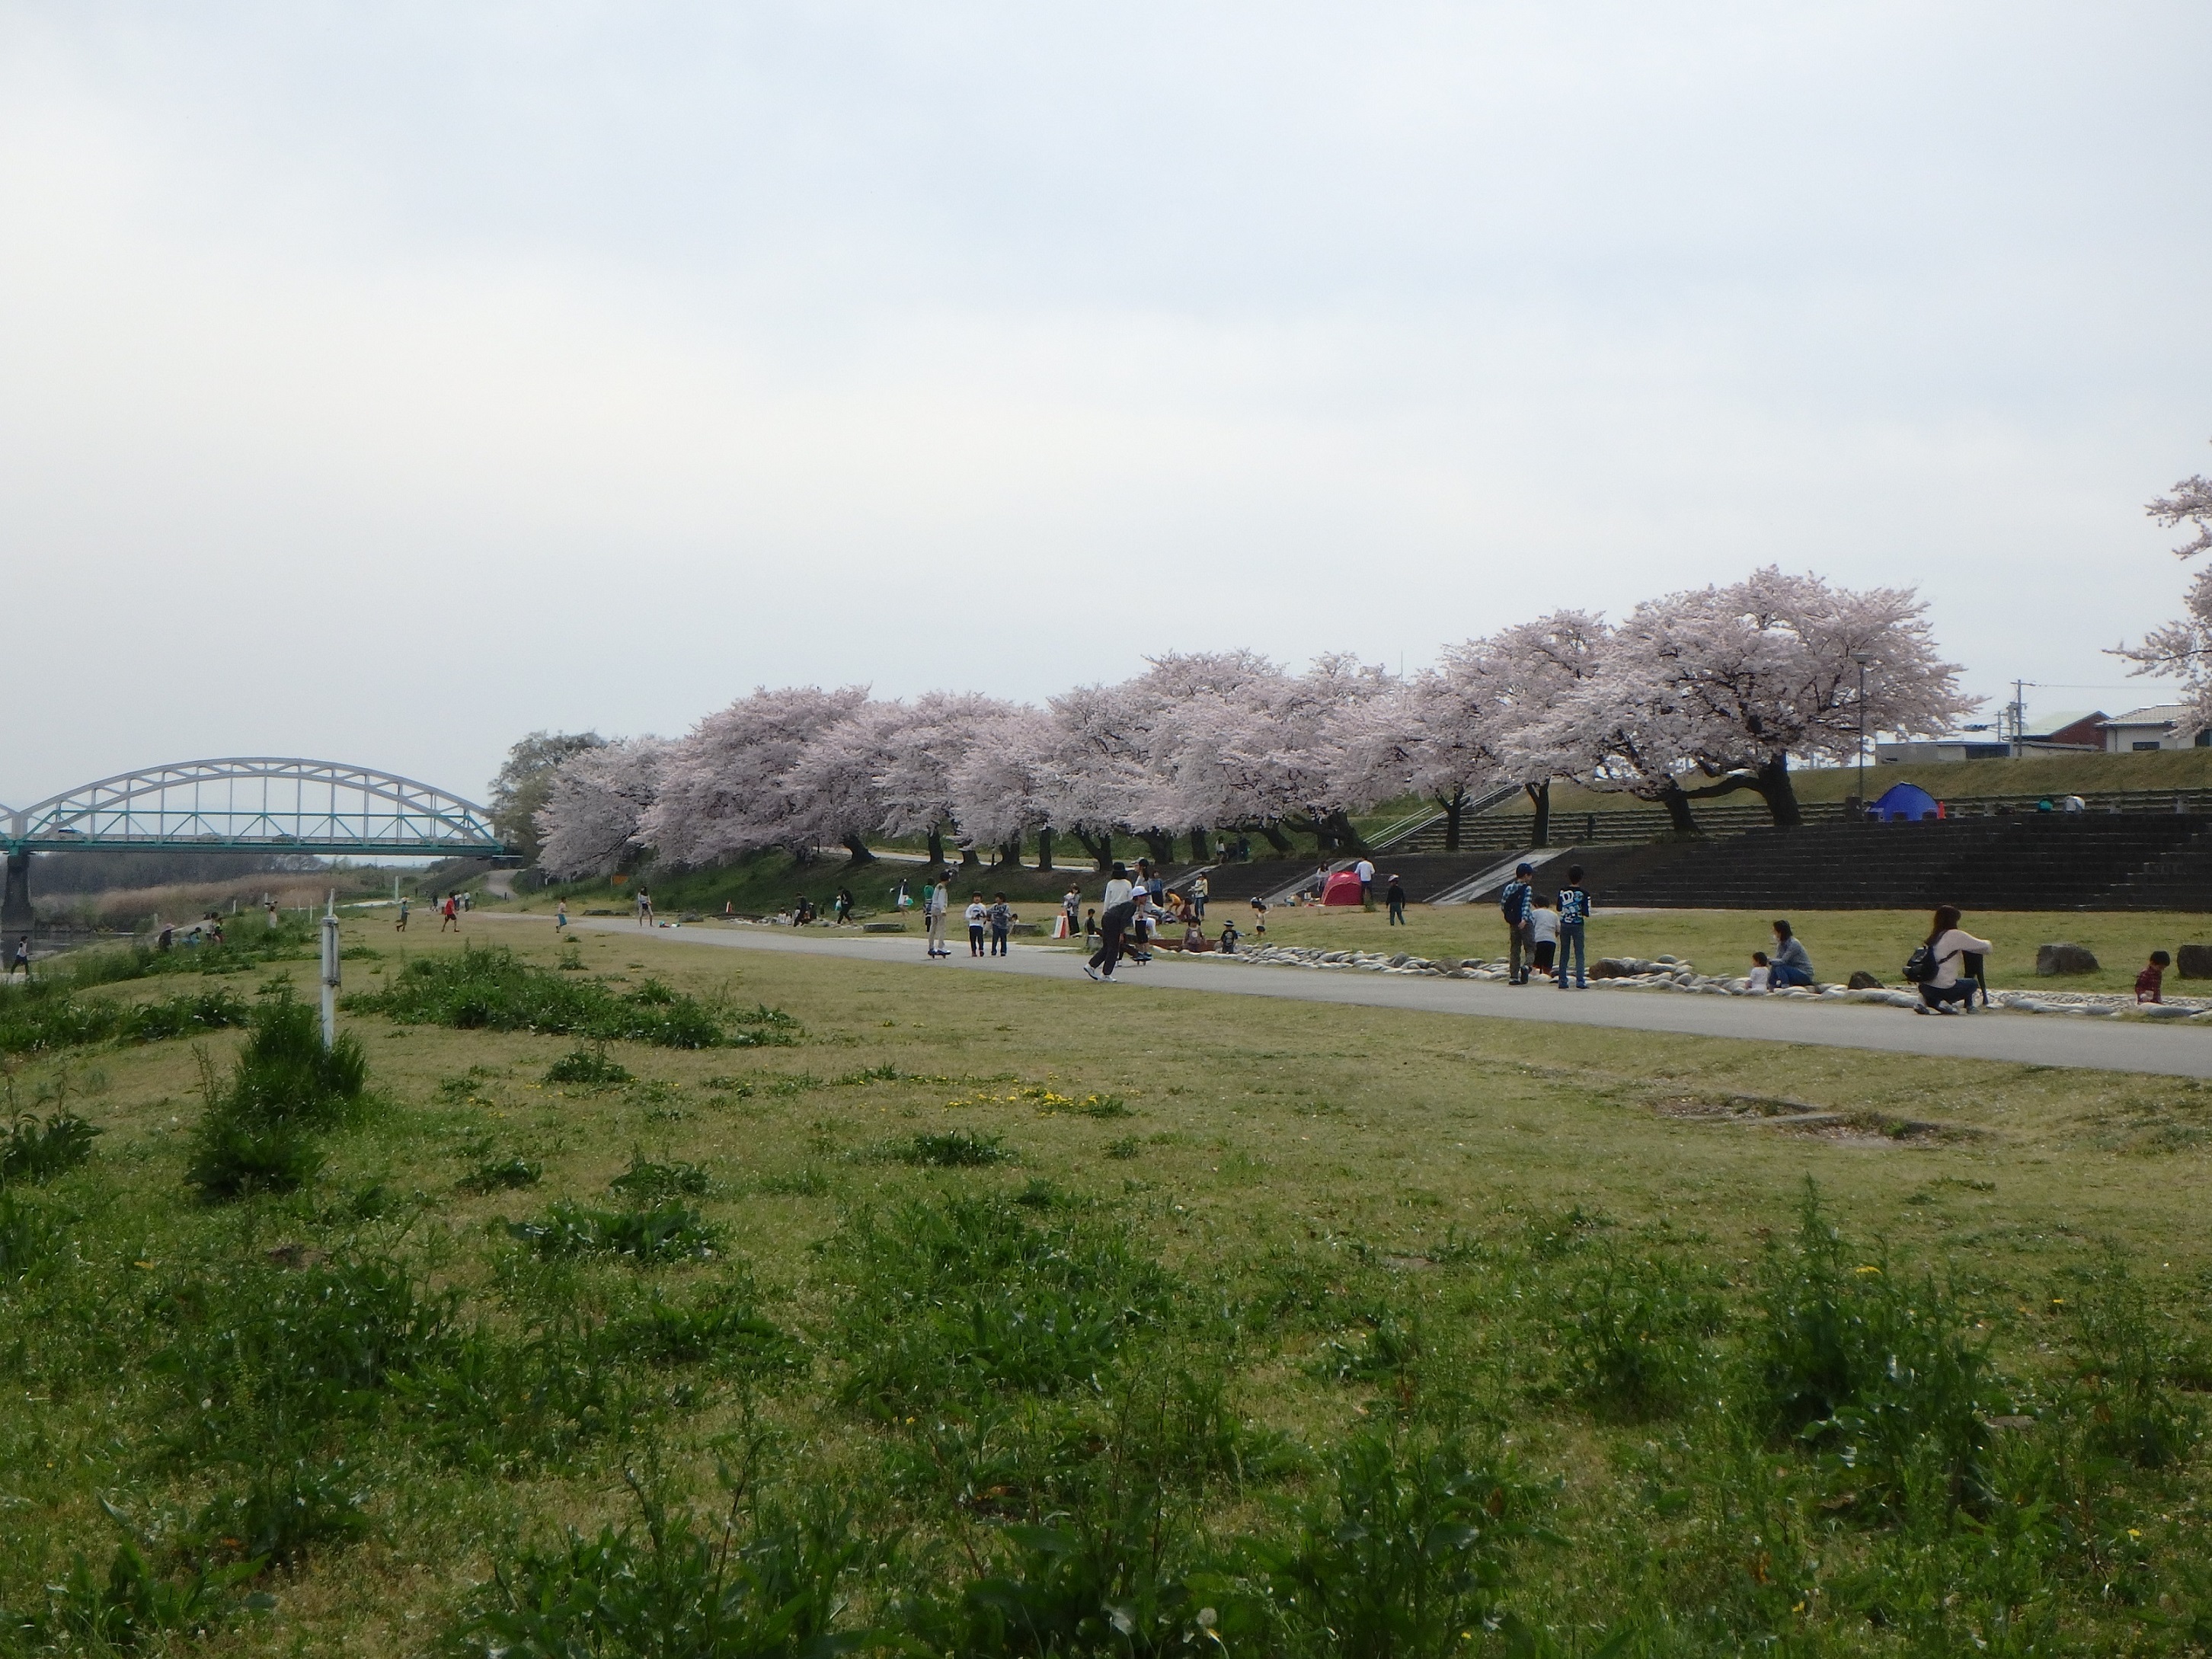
[[1862, 659]]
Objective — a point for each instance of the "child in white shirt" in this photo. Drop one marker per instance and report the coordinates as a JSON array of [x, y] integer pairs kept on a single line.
[[1543, 931], [1761, 972]]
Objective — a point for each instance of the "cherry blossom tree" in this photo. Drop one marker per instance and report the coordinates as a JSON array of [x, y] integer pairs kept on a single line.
[[1620, 730], [1090, 781], [1276, 747], [597, 799], [2182, 648], [998, 788], [835, 784], [1771, 667], [925, 749], [725, 792]]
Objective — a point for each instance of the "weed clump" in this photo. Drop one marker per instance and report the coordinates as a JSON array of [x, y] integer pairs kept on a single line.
[[34, 1152], [1871, 1364], [590, 1066], [502, 1175], [646, 1182], [953, 1149], [1635, 1342], [668, 1231], [494, 990], [258, 1131], [971, 1296], [33, 1238], [46, 1019]]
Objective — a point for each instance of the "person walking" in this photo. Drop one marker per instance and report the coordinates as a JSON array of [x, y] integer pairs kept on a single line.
[[1944, 991], [1119, 887], [841, 906], [1259, 918], [1574, 915], [1515, 903], [400, 925], [1002, 924], [1394, 896], [450, 913], [21, 964], [936, 899], [1791, 966], [1112, 925], [560, 916], [1199, 891]]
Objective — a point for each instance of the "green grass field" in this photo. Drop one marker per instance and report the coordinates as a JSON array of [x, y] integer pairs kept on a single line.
[[954, 1314]]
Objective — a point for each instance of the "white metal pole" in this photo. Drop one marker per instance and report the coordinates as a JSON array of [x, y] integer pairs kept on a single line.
[[331, 970]]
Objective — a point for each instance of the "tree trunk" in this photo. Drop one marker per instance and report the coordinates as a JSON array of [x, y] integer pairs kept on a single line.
[[1200, 852], [1342, 835], [859, 850], [1160, 844], [1455, 807], [969, 858], [1100, 846], [1277, 839], [1678, 809], [1011, 852], [1540, 793], [1044, 848], [936, 845], [1779, 793]]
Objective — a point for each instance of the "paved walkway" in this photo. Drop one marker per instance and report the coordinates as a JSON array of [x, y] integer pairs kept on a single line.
[[2026, 1039]]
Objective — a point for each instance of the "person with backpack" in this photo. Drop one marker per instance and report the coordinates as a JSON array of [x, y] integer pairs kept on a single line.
[[1516, 903], [1938, 966]]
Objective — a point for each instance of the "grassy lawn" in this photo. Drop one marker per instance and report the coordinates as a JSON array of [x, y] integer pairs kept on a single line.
[[967, 1314], [1839, 941]]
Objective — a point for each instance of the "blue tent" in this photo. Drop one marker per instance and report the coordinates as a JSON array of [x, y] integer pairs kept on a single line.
[[1905, 803]]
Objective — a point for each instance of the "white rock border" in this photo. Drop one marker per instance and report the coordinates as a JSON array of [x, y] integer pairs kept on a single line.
[[1672, 973]]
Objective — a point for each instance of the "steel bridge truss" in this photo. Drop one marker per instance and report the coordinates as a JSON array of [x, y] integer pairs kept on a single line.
[[256, 804]]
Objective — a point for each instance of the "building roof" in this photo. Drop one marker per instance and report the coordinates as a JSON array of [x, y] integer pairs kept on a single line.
[[2157, 714]]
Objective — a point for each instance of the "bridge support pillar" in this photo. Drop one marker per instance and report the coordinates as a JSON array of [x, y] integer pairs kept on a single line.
[[16, 916]]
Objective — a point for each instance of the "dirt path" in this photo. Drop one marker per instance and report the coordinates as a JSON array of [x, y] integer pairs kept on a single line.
[[2024, 1039]]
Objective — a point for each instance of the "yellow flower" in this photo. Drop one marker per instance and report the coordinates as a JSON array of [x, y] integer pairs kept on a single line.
[[1869, 1270]]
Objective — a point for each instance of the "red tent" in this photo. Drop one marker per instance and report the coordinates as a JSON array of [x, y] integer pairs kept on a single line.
[[1343, 888]]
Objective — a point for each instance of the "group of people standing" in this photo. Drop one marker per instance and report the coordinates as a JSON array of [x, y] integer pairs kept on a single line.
[[1545, 932]]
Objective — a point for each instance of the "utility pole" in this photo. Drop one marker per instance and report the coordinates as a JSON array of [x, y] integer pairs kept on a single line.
[[330, 970], [1862, 659], [2016, 711]]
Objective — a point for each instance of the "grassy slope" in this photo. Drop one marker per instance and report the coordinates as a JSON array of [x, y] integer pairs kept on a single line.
[[1839, 941], [2176, 768], [1333, 1149]]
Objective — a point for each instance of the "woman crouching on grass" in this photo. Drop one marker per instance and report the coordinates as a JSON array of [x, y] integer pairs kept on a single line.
[[1945, 991]]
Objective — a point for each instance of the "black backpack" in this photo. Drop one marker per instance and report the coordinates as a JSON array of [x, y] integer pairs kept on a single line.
[[1920, 968]]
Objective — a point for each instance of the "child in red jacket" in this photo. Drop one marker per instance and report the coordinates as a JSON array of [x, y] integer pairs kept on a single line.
[[2149, 981]]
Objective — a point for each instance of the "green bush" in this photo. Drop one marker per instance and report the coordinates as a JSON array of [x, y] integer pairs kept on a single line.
[[257, 1133], [284, 1512], [35, 1151], [56, 1019], [494, 990]]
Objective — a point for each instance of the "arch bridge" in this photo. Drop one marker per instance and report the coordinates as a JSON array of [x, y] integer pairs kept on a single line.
[[244, 804]]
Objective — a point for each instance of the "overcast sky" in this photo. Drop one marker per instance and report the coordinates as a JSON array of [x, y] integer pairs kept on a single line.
[[379, 382]]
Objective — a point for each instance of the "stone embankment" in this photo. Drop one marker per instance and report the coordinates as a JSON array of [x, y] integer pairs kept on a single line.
[[1667, 973]]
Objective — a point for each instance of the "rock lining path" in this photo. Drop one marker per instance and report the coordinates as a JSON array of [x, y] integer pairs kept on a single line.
[[2023, 1039]]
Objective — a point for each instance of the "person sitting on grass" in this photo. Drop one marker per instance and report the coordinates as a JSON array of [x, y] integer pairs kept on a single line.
[[2150, 983], [1945, 991], [1762, 972], [1791, 966]]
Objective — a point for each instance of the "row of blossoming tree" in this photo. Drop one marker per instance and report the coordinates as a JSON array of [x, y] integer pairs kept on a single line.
[[1692, 695]]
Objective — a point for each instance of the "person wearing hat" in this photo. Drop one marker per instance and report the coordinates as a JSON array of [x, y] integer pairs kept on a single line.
[[1394, 896], [1517, 903]]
